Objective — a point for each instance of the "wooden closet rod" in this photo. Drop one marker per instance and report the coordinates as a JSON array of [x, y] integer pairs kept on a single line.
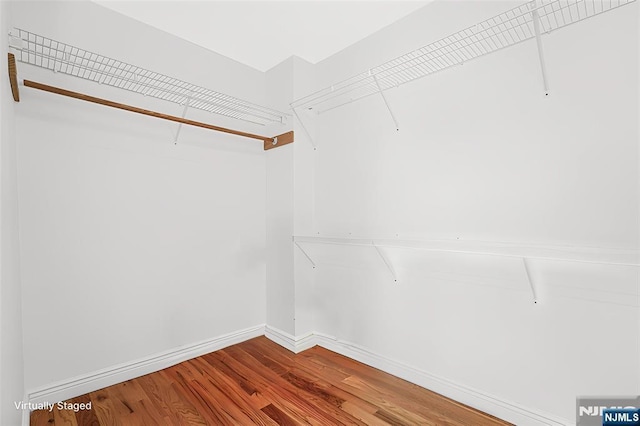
[[269, 142]]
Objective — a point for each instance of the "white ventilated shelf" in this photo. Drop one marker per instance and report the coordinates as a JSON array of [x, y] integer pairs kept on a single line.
[[605, 256], [506, 29], [64, 58], [522, 252]]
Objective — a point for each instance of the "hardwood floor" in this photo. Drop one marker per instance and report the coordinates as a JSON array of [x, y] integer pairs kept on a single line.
[[259, 382]]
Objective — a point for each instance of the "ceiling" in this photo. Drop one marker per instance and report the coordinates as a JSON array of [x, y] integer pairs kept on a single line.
[[262, 34]]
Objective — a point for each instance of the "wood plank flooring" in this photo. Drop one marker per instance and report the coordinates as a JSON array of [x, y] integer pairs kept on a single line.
[[257, 382]]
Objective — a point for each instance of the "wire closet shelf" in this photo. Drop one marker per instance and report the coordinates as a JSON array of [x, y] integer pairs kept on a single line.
[[506, 29], [60, 57]]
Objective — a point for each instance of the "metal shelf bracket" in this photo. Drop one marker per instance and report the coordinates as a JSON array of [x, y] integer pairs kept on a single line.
[[306, 132], [529, 280], [184, 113], [305, 254], [386, 102], [535, 17], [386, 261]]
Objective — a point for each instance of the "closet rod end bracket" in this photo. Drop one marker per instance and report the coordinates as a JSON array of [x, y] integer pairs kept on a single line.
[[279, 140], [13, 76]]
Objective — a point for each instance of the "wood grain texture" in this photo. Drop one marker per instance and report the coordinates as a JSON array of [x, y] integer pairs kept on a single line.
[[277, 141], [258, 382], [13, 77]]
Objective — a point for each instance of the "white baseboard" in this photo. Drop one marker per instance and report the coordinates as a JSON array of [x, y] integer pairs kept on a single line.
[[93, 381], [493, 405], [499, 407], [288, 341], [506, 410]]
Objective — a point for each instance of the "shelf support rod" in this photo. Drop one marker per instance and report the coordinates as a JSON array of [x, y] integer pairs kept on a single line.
[[306, 132], [536, 27], [184, 113], [386, 261], [386, 102], [305, 254], [528, 274]]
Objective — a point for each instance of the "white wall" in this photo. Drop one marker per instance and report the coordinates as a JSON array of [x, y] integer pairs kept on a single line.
[[304, 170], [482, 155], [132, 246], [290, 197], [495, 136], [11, 355], [279, 210]]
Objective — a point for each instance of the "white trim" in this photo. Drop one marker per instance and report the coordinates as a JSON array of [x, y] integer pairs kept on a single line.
[[288, 341], [26, 414], [80, 385], [490, 404], [506, 410]]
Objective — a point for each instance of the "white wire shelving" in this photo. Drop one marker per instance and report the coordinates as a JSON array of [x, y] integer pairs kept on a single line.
[[592, 255], [501, 31], [523, 252], [44, 52]]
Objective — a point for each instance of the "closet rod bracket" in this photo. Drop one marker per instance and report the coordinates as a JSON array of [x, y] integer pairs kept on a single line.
[[13, 77], [279, 140]]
